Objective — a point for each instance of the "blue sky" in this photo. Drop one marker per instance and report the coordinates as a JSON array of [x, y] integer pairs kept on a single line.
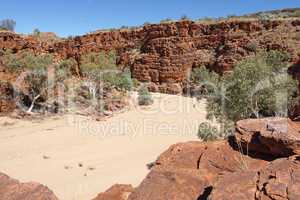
[[77, 17]]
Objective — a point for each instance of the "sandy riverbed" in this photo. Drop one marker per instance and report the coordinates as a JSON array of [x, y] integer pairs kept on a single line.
[[78, 158]]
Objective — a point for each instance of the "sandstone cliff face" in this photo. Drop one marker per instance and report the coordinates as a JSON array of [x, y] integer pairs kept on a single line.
[[164, 54], [7, 103]]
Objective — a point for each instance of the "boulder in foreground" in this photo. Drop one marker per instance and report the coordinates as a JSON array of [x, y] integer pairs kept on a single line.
[[11, 189], [279, 137], [116, 192], [279, 180]]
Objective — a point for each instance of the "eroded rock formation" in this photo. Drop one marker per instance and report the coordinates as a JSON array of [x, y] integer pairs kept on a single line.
[[224, 170], [7, 103], [117, 191], [11, 189], [164, 54], [276, 136]]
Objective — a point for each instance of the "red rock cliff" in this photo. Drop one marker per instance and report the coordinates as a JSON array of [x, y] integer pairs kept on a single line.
[[163, 54]]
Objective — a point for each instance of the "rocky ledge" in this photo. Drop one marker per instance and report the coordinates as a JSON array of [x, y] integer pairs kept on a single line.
[[261, 162], [11, 189], [164, 54]]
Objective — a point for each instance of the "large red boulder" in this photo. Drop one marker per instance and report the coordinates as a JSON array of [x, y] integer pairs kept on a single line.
[[175, 185], [279, 180], [188, 171], [279, 137], [244, 167], [11, 189], [116, 192]]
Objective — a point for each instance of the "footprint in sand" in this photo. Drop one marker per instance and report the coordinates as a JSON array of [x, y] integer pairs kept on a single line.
[[91, 168], [46, 157]]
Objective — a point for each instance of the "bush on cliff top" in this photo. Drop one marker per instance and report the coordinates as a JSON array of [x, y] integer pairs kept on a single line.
[[7, 24]]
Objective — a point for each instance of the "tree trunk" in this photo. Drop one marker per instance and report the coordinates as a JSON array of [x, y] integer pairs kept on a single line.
[[32, 103]]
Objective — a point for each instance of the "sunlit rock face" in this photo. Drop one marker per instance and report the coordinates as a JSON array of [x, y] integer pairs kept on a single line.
[[164, 54], [11, 189]]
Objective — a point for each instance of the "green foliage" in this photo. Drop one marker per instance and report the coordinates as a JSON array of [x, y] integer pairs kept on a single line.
[[201, 75], [125, 81], [258, 87], [135, 83], [37, 83], [64, 69], [207, 132], [167, 20], [206, 20], [231, 16], [36, 32], [26, 60], [144, 96], [8, 24], [93, 64], [184, 18], [102, 67], [296, 13], [252, 46], [120, 80]]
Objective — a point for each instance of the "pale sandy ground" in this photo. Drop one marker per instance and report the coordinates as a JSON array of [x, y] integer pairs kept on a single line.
[[115, 150]]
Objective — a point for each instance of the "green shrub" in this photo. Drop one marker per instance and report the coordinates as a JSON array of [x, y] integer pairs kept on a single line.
[[167, 20], [103, 67], [37, 79], [93, 64], [65, 69], [258, 87], [135, 83], [11, 62], [251, 46], [25, 60], [296, 13], [144, 96], [207, 132], [125, 81], [120, 80], [36, 32], [8, 24], [184, 18], [206, 20]]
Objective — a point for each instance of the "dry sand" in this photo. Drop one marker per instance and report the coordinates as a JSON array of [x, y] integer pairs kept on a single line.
[[78, 158]]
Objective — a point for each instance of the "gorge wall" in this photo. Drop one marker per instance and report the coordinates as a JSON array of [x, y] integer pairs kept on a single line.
[[163, 54]]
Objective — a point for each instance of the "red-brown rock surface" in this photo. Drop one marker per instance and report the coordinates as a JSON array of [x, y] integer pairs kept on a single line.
[[188, 170], [275, 136], [116, 192], [279, 180], [11, 189], [164, 54], [7, 103], [223, 170]]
